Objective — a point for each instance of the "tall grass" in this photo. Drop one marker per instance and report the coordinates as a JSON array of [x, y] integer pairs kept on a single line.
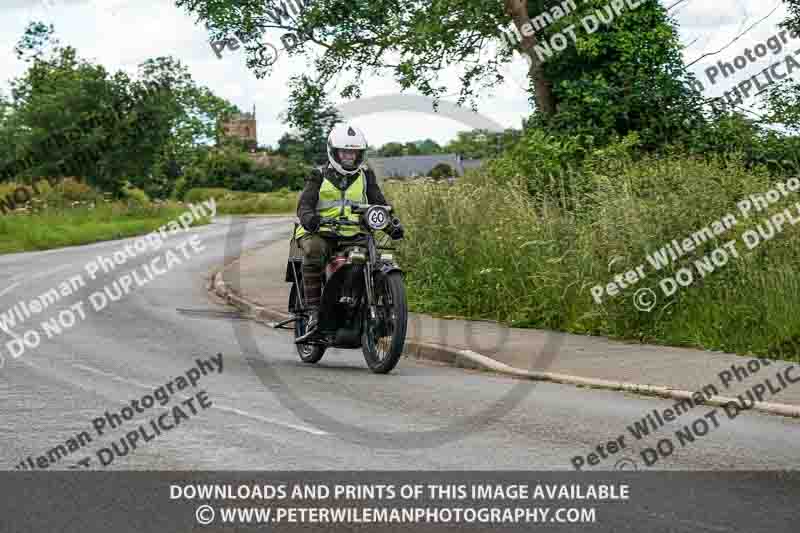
[[488, 248]]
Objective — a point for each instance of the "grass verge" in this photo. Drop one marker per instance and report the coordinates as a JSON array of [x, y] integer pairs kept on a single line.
[[71, 227], [488, 249]]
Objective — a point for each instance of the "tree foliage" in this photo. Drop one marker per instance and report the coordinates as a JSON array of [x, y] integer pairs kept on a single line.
[[626, 76], [608, 82], [230, 168], [792, 22], [70, 117], [392, 149], [428, 147], [313, 117], [441, 171], [411, 40], [482, 144]]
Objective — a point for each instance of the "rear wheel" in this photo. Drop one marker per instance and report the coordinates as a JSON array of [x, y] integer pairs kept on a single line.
[[309, 353], [383, 341]]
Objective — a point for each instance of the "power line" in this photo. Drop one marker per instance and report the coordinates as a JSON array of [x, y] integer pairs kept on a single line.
[[675, 4], [756, 23]]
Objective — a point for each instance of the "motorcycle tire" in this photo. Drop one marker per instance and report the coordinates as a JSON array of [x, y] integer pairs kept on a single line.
[[390, 294], [309, 353]]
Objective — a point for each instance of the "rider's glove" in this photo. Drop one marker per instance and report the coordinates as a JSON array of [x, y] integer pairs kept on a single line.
[[311, 222], [396, 231]]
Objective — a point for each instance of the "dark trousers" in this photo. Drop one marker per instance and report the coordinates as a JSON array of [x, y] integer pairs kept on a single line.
[[315, 251]]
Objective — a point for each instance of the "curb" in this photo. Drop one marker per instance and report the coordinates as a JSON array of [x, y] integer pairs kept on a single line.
[[476, 361]]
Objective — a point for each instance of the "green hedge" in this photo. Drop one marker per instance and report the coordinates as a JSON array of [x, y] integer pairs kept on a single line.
[[243, 203]]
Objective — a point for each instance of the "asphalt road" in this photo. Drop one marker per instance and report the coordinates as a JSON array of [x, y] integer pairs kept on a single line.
[[262, 401]]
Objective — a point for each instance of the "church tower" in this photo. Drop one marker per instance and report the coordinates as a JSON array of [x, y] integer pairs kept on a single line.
[[243, 127]]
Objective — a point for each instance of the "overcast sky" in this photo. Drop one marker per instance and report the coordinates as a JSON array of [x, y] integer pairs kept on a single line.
[[120, 34]]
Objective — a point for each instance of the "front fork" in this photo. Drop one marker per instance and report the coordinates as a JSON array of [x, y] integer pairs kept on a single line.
[[368, 280]]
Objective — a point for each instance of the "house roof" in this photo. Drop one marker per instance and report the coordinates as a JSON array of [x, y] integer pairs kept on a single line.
[[413, 165]]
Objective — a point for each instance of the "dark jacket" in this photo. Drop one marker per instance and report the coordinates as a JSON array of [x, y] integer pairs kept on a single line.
[[307, 204]]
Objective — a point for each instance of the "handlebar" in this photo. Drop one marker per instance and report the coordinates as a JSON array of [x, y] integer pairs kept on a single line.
[[357, 209], [337, 222]]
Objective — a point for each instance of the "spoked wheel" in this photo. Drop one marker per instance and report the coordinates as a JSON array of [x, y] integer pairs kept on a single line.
[[383, 341], [309, 353]]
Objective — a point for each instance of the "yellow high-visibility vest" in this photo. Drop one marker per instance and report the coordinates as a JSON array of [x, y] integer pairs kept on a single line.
[[335, 203]]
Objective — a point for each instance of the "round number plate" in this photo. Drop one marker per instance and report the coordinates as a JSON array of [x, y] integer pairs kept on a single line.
[[377, 217]]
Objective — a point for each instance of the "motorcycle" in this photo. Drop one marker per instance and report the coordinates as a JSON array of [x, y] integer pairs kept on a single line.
[[363, 303]]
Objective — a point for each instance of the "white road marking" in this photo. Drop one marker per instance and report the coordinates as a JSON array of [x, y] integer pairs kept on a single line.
[[9, 288], [48, 273], [94, 370], [225, 408], [239, 412]]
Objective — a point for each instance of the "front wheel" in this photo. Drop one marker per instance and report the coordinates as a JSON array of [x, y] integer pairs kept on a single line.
[[383, 340], [309, 353]]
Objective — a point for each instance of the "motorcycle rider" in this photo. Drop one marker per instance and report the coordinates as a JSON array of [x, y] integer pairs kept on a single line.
[[329, 191]]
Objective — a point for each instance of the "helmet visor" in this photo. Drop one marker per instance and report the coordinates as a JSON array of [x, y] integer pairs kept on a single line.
[[349, 158]]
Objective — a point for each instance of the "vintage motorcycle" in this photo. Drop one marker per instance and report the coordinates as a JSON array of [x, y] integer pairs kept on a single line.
[[363, 302]]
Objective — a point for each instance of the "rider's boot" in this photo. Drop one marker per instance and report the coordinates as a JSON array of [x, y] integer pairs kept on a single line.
[[311, 326]]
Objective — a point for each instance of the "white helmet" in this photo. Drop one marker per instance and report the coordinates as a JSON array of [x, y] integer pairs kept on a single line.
[[346, 137]]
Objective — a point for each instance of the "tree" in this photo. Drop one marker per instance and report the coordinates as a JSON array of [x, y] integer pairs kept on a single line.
[[358, 37], [291, 146], [792, 22], [391, 149], [70, 117], [230, 168], [313, 116], [607, 81], [604, 83], [611, 80], [481, 144], [192, 113], [428, 147], [782, 105], [442, 170], [411, 149], [782, 100]]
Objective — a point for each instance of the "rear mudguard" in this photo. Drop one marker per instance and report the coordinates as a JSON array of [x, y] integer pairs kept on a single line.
[[291, 268], [295, 302], [294, 264]]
